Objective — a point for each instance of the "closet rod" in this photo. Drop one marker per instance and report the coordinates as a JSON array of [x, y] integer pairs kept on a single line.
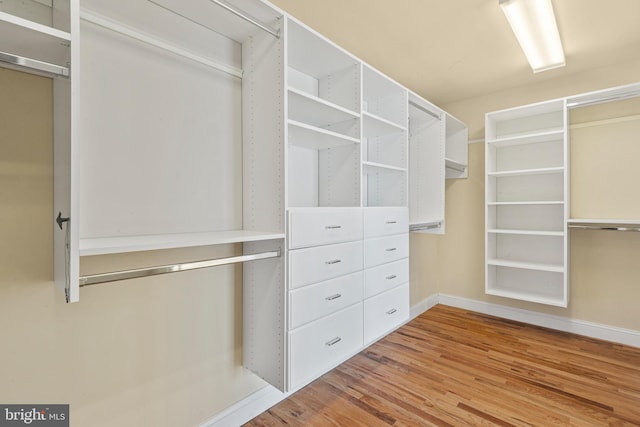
[[456, 167], [94, 279], [247, 17], [34, 64], [421, 108], [110, 25], [604, 227], [420, 227], [616, 97]]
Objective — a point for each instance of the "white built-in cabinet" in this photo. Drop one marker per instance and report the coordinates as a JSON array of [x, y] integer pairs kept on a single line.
[[200, 123], [527, 203]]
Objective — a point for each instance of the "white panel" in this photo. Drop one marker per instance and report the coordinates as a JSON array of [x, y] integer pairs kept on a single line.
[[320, 263], [175, 165], [384, 221], [302, 176], [547, 187], [319, 346], [385, 277], [339, 173], [310, 227], [315, 301], [385, 249], [385, 312]]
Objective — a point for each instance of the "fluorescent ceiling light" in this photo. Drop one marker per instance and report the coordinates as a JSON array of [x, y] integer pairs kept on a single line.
[[534, 25]]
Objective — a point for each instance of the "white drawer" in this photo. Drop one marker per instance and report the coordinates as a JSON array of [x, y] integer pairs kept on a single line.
[[384, 221], [385, 312], [321, 345], [315, 301], [385, 277], [385, 249], [321, 226], [312, 265]]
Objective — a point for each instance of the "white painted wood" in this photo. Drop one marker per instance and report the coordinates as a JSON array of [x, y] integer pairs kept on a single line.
[[383, 98], [456, 147], [385, 277], [321, 226], [316, 264], [339, 176], [381, 250], [526, 165], [426, 164], [321, 299], [385, 312], [321, 345], [315, 138], [315, 111], [385, 221]]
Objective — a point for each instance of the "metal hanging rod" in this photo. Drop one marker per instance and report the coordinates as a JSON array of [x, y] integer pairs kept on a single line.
[[422, 227], [247, 17], [34, 64], [420, 107], [94, 279], [121, 29]]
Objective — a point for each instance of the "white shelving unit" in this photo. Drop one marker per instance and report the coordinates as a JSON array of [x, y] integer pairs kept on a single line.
[[456, 147], [426, 166], [384, 140], [527, 203]]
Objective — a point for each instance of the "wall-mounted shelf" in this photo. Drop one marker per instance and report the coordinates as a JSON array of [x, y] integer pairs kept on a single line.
[[609, 224]]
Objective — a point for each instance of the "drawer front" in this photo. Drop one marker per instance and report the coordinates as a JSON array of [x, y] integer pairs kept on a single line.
[[385, 277], [312, 265], [385, 221], [315, 301], [385, 312], [320, 345], [385, 249], [321, 226]]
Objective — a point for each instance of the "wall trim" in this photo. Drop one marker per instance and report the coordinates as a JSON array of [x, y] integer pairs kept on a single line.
[[263, 399], [580, 327]]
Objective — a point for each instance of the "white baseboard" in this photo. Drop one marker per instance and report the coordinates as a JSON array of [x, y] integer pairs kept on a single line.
[[565, 324], [265, 398]]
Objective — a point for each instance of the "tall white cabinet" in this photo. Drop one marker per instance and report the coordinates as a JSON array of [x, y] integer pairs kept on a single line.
[[527, 203], [201, 123]]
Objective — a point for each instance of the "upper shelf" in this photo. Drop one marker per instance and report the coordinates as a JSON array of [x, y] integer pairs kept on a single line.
[[529, 138], [377, 126], [310, 109], [112, 245], [307, 136], [28, 39], [605, 224]]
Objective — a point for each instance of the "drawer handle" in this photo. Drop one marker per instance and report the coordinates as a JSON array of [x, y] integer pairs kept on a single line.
[[392, 222], [332, 297], [393, 276], [332, 227], [393, 310], [333, 261], [336, 340], [391, 249]]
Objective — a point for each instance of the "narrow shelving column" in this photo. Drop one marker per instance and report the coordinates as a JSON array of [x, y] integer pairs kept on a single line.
[[526, 203]]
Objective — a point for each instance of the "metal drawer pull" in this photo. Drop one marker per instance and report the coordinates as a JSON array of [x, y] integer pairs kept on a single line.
[[336, 340], [332, 297], [392, 222], [391, 249], [332, 227], [334, 261], [393, 276], [393, 310]]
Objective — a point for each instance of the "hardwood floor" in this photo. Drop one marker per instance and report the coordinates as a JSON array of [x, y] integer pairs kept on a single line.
[[451, 367]]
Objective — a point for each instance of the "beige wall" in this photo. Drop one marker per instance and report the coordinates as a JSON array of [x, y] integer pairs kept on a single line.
[[604, 267], [154, 352]]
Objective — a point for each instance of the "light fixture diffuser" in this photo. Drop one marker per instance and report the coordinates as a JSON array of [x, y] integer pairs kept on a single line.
[[534, 25]]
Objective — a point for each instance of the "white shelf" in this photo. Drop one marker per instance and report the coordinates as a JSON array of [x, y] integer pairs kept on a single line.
[[544, 202], [526, 232], [604, 221], [29, 39], [554, 268], [371, 167], [453, 164], [310, 109], [528, 138], [520, 172], [307, 136], [378, 126], [528, 296], [123, 244]]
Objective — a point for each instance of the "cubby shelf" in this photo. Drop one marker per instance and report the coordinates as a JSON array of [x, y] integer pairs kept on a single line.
[[307, 136], [526, 232], [312, 110], [377, 126], [520, 172], [555, 268], [527, 138], [544, 202], [372, 167]]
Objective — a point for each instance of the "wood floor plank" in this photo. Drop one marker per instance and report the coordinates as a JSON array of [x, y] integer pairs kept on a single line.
[[451, 367]]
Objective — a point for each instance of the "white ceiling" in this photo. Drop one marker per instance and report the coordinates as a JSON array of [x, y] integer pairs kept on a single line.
[[449, 50]]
